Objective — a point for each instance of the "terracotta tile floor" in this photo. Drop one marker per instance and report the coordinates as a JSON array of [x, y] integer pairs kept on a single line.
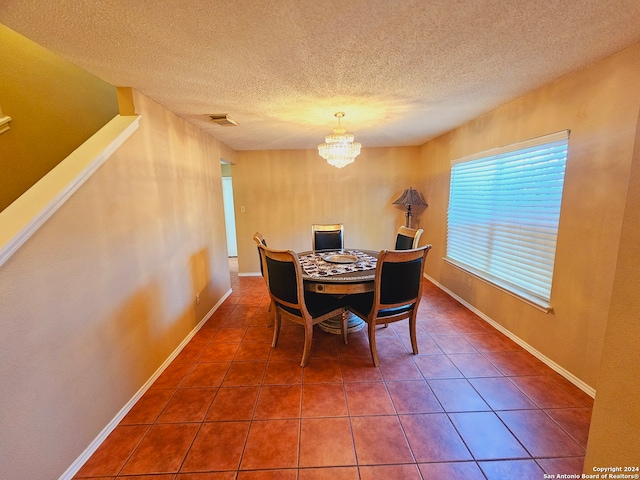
[[471, 405]]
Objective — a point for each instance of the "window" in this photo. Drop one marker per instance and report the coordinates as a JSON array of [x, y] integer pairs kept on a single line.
[[504, 208]]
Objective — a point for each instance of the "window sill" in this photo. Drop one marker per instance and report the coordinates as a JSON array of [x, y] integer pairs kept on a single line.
[[509, 289]]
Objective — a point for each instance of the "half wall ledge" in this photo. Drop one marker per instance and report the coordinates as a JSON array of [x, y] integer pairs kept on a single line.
[[28, 212]]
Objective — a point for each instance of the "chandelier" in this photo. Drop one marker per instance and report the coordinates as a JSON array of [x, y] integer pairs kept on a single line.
[[339, 148]]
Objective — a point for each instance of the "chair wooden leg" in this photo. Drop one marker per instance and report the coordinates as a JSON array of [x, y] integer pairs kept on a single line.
[[412, 332], [276, 327], [372, 342], [271, 309], [308, 339]]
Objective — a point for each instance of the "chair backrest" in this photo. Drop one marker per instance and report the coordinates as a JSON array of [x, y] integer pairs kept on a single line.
[[327, 236], [259, 239], [408, 238], [283, 273], [398, 278]]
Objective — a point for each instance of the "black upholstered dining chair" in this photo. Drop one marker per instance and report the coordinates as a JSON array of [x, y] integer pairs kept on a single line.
[[396, 294], [327, 236], [407, 238], [283, 275], [259, 239]]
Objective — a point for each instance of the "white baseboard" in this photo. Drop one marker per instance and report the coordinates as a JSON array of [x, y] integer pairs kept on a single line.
[[93, 446], [250, 274], [543, 358]]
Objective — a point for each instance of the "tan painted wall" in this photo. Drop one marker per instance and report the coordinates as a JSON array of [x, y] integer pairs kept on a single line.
[[284, 192], [600, 107], [104, 292], [54, 107], [615, 423]]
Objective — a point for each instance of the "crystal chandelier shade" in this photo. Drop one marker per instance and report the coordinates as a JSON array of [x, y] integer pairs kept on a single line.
[[339, 148]]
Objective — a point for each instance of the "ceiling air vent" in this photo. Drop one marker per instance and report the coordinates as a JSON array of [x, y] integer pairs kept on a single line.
[[223, 119]]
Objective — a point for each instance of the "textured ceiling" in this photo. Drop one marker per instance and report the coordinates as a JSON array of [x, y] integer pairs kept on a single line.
[[404, 71]]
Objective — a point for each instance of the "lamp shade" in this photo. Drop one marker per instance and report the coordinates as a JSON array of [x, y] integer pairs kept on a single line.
[[410, 197]]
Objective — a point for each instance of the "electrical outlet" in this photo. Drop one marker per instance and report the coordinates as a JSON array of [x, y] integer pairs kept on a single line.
[[197, 299], [469, 282]]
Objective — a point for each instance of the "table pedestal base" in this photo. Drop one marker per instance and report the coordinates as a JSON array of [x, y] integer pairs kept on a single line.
[[332, 325]]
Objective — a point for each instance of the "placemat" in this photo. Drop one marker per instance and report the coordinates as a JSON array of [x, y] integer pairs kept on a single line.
[[314, 266]]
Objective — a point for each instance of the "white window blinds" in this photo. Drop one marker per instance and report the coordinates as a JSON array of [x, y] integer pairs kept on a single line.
[[504, 207]]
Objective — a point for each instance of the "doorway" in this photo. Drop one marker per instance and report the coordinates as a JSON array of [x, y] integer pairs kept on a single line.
[[229, 216]]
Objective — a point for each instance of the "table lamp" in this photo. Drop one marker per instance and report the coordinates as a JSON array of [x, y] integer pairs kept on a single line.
[[410, 197]]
